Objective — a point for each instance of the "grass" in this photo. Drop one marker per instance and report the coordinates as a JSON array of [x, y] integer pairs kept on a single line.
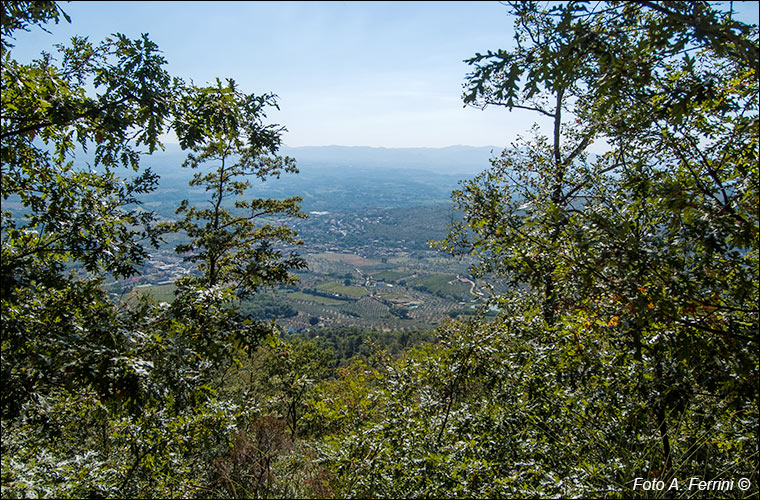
[[388, 275], [161, 293], [444, 285], [315, 298], [347, 258], [355, 292]]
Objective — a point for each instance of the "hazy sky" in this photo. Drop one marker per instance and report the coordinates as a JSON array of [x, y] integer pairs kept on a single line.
[[347, 73]]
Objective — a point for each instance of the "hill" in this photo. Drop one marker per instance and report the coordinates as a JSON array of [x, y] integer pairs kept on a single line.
[[339, 179], [452, 160]]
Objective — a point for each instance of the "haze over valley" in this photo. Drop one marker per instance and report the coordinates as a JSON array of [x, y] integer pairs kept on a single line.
[[372, 215]]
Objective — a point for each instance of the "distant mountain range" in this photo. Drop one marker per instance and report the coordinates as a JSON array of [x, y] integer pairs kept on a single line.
[[452, 160], [464, 161], [341, 178]]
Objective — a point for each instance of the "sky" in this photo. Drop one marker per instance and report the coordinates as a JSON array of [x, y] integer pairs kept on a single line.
[[382, 74]]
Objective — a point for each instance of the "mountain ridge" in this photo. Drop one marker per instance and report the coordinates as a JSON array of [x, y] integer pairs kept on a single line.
[[453, 160]]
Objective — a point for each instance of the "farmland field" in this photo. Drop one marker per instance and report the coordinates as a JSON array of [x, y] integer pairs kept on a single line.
[[354, 281]]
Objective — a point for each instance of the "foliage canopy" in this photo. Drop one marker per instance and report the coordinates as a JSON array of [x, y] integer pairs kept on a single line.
[[625, 343]]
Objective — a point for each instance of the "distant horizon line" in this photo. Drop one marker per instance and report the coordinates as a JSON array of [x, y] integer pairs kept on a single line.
[[395, 147], [166, 143]]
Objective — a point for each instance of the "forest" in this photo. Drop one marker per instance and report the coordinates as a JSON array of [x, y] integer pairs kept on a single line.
[[614, 353]]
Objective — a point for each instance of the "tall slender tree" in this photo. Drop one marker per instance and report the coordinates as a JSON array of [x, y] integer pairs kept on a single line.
[[221, 125], [516, 212]]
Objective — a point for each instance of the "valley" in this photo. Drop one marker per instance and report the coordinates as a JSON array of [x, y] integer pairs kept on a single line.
[[371, 269], [366, 240]]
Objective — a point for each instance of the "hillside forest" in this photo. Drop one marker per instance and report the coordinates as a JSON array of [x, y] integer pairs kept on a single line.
[[577, 325]]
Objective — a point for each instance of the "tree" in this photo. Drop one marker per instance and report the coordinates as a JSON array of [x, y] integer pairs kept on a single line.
[[235, 255], [75, 218], [642, 255], [222, 124], [687, 240], [112, 398], [290, 369], [518, 211], [18, 15]]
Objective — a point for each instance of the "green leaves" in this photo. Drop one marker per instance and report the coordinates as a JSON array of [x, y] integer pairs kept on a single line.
[[219, 124], [626, 338], [19, 15], [636, 259], [77, 213]]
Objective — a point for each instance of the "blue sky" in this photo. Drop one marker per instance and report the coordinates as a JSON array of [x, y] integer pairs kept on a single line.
[[386, 74]]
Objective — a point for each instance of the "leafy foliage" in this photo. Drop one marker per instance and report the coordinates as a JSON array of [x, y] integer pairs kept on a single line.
[[624, 346], [75, 218], [648, 251], [222, 124], [99, 398]]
